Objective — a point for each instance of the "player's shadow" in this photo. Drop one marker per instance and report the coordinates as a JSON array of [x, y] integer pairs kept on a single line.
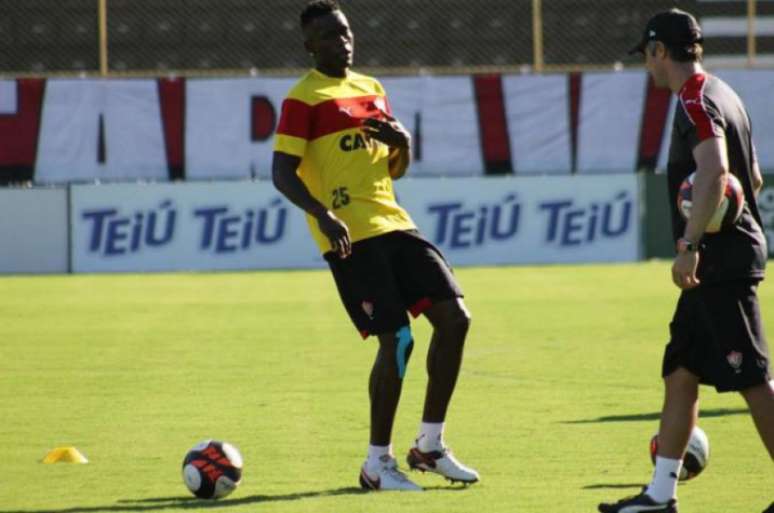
[[613, 486], [187, 502], [640, 417]]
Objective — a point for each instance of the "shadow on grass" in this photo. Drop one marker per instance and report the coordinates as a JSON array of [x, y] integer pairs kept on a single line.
[[613, 486], [456, 487], [187, 502], [639, 417]]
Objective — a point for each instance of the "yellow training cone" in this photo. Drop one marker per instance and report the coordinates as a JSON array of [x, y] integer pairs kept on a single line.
[[65, 455]]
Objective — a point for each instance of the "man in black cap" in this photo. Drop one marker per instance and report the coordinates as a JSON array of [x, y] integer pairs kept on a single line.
[[716, 332]]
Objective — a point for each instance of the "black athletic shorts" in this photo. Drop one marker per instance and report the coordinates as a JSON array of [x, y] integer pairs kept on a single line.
[[389, 275], [717, 335]]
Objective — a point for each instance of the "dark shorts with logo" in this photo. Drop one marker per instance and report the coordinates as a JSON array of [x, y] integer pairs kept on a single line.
[[717, 335], [389, 275]]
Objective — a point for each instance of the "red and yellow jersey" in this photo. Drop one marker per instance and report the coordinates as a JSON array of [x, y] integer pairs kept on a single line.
[[345, 171]]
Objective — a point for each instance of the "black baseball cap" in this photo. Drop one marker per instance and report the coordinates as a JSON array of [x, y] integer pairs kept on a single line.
[[673, 28]]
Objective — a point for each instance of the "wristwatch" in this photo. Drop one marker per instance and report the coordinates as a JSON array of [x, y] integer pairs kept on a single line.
[[684, 245]]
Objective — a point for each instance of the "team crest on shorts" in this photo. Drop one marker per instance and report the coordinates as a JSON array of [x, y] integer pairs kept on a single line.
[[734, 359], [368, 308]]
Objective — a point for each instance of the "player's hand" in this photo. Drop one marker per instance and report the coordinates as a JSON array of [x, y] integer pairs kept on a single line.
[[684, 270], [387, 130], [337, 233]]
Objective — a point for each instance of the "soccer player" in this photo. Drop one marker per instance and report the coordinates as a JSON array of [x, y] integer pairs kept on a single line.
[[337, 150], [716, 333]]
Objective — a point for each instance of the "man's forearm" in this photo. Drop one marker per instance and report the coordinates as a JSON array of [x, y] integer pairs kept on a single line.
[[291, 186], [708, 190], [400, 159]]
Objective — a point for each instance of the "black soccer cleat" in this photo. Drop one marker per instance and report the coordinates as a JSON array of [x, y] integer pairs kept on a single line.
[[770, 509], [641, 503]]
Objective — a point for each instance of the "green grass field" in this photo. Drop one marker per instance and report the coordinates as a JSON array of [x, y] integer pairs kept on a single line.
[[555, 406]]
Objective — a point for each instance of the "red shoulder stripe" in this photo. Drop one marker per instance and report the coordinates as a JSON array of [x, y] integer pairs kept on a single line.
[[339, 114], [311, 122], [692, 100], [295, 119]]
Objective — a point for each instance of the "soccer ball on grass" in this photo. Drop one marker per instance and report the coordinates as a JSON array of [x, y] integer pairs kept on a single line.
[[212, 469]]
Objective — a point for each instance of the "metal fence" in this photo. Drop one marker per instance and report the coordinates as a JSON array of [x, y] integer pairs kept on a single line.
[[148, 37]]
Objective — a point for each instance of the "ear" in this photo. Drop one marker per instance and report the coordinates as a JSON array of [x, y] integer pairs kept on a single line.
[[659, 49]]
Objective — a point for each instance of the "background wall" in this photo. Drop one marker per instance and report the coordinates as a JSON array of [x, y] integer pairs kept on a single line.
[[34, 231]]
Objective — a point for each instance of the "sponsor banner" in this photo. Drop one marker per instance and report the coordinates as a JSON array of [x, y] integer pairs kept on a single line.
[[193, 226], [33, 228], [249, 225], [535, 220], [766, 207]]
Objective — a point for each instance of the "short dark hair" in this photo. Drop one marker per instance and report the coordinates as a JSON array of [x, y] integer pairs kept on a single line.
[[316, 8], [693, 52]]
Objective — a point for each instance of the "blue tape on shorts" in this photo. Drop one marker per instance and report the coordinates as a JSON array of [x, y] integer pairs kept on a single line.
[[403, 351]]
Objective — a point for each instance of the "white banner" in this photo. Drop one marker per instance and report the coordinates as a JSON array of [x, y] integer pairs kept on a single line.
[[248, 225], [148, 129], [663, 156], [529, 220], [33, 231], [187, 226], [538, 123], [101, 130], [757, 93], [219, 117], [441, 114], [8, 97], [610, 118]]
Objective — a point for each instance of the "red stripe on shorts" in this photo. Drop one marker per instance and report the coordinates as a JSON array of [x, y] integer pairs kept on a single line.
[[420, 306]]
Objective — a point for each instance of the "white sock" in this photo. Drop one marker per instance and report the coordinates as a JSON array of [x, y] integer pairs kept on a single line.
[[664, 484], [430, 436], [375, 452]]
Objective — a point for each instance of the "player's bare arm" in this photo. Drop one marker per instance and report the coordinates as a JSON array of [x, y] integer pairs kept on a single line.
[[391, 132], [709, 184], [399, 161], [283, 172]]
